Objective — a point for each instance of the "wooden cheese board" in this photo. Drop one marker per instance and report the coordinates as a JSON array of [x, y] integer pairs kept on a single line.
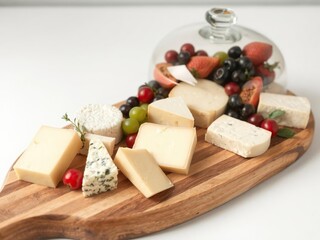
[[30, 211]]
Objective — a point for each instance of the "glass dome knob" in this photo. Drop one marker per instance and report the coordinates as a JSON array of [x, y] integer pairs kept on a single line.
[[220, 28]]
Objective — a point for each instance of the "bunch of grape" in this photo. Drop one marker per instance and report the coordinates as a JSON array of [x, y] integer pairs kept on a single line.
[[234, 67], [135, 109]]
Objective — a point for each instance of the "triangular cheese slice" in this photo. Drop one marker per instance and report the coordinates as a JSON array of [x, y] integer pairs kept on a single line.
[[100, 174], [170, 111]]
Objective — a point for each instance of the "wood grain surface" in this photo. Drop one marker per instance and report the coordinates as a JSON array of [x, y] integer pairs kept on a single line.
[[29, 211]]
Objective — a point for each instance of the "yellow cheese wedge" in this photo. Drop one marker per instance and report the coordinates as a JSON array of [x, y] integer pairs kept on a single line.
[[48, 156], [170, 111], [172, 147], [141, 169], [108, 142]]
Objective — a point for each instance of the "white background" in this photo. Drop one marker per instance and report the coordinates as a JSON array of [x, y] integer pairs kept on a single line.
[[55, 60]]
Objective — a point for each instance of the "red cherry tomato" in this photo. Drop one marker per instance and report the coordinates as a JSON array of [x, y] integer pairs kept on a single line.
[[145, 95], [130, 139], [270, 125], [73, 178]]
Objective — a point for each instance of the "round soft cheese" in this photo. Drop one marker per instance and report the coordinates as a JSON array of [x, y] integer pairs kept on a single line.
[[101, 119]]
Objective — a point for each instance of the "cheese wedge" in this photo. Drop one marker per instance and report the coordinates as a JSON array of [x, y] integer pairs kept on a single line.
[[206, 100], [238, 136], [108, 142], [172, 147], [48, 156], [100, 173], [170, 111], [142, 170], [297, 109]]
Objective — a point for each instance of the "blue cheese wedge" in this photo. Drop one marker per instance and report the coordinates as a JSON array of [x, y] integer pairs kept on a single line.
[[238, 136], [297, 109], [100, 174]]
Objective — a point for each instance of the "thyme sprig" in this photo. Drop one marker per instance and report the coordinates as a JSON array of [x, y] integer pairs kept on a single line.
[[79, 128]]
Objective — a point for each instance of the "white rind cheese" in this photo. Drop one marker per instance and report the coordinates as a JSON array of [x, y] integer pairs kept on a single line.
[[101, 119], [297, 109], [238, 136], [142, 170], [206, 100], [108, 142], [172, 147], [100, 173], [170, 111]]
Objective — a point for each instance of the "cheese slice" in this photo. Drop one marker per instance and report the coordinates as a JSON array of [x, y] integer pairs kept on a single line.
[[238, 136], [206, 100], [142, 170], [297, 109], [170, 111], [108, 142], [48, 156], [100, 173], [172, 147]]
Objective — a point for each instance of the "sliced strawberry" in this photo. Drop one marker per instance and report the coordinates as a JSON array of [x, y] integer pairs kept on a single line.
[[251, 90], [257, 52], [163, 76], [266, 71], [202, 66]]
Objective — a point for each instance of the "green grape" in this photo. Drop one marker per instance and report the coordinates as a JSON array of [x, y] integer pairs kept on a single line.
[[130, 125], [138, 113], [222, 56], [145, 106]]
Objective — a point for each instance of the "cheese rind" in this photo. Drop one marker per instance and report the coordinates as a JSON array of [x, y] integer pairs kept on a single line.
[[101, 119], [238, 136], [297, 109], [108, 142], [170, 111], [172, 147], [206, 100], [142, 170], [48, 156], [100, 173]]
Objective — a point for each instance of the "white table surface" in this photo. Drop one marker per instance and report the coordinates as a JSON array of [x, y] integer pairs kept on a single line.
[[55, 60]]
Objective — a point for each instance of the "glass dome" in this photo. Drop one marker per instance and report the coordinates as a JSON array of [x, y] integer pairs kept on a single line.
[[220, 33]]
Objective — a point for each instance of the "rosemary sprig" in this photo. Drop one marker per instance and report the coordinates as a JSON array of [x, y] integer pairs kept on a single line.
[[80, 129]]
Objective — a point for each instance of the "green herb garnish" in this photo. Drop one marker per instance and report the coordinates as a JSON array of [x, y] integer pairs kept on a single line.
[[276, 113], [285, 133], [80, 129]]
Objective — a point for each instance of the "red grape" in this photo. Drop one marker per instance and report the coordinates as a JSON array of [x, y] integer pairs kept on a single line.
[[255, 119], [188, 47], [130, 139], [232, 88], [201, 53], [171, 56], [145, 95]]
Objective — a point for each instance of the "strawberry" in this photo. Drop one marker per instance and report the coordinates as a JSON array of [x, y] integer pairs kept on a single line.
[[266, 71], [257, 52], [202, 66]]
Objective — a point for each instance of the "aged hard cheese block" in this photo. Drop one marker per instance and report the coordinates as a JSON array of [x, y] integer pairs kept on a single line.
[[206, 100], [142, 170], [172, 147], [238, 136], [297, 109], [101, 119], [100, 173], [108, 142], [170, 111], [48, 156]]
